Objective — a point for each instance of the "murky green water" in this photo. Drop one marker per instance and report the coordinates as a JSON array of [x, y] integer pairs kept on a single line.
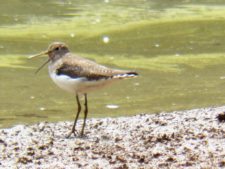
[[176, 46]]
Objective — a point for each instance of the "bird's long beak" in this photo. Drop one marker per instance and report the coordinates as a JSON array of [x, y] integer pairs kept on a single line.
[[42, 66], [40, 54]]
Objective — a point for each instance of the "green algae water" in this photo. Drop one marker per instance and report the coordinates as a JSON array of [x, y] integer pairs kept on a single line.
[[177, 47]]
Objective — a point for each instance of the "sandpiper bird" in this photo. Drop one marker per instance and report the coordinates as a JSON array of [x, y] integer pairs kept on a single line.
[[78, 75]]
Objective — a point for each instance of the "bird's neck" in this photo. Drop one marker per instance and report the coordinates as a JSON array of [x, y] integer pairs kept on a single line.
[[58, 56]]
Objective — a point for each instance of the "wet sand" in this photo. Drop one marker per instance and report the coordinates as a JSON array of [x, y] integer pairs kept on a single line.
[[182, 139]]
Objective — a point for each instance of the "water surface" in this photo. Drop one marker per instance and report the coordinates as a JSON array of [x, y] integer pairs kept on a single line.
[[176, 46]]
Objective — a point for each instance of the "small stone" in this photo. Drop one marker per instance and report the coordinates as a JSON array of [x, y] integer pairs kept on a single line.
[[222, 163], [121, 159], [24, 160], [221, 117]]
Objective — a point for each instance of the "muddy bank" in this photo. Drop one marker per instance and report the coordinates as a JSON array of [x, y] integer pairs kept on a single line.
[[193, 139]]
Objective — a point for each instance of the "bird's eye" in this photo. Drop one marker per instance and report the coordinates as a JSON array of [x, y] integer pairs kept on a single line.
[[57, 48]]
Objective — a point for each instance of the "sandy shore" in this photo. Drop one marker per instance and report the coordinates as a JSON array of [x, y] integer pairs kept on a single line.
[[185, 139]]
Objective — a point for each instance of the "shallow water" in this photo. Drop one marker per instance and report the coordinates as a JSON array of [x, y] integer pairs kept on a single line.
[[177, 48]]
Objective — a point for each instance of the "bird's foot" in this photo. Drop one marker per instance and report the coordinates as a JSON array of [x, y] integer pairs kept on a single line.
[[72, 132], [81, 135]]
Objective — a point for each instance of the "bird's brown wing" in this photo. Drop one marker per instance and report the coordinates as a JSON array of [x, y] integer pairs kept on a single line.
[[81, 67]]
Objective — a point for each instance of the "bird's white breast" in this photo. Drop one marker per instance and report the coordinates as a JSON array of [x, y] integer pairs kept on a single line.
[[65, 82], [77, 85]]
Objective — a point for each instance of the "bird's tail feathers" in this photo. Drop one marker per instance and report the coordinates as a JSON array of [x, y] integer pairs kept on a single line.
[[125, 75]]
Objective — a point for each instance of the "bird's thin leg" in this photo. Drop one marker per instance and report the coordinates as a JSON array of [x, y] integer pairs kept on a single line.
[[85, 114], [76, 118]]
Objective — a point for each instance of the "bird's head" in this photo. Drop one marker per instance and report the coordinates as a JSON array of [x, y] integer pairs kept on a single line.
[[55, 51]]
